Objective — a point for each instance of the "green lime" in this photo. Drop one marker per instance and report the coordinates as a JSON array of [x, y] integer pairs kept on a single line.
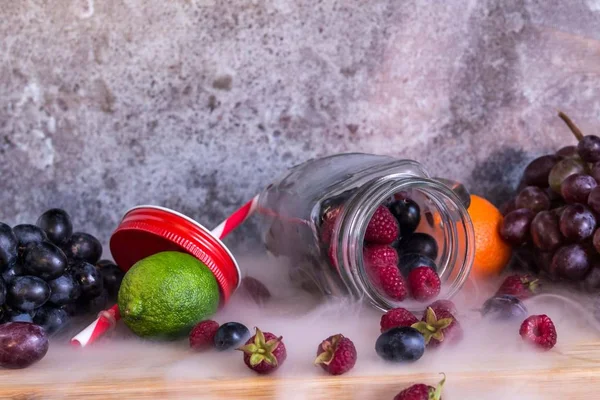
[[165, 294]]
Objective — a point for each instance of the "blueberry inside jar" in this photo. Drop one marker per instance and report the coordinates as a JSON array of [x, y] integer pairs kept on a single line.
[[369, 227]]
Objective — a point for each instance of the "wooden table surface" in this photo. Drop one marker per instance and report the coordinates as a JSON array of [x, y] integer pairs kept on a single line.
[[135, 372]]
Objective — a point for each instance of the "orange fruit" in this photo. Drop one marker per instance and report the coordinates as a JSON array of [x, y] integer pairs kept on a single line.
[[492, 253]]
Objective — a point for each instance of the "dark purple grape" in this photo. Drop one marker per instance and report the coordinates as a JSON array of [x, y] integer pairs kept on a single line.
[[44, 260], [21, 344], [52, 319], [545, 231], [8, 247], [57, 225], [27, 234], [594, 200], [95, 305], [544, 262], [568, 152], [27, 293], [589, 148], [9, 274], [14, 315], [562, 170], [577, 187], [559, 211], [595, 171], [111, 275], [72, 309], [418, 243], [503, 308], [571, 262], [83, 247], [556, 199], [64, 290], [2, 292], [596, 240], [577, 222], [508, 207], [516, 225], [408, 262], [89, 279], [408, 215], [534, 198], [536, 173], [104, 263]]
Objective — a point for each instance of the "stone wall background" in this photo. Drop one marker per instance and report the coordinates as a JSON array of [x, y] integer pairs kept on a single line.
[[198, 104]]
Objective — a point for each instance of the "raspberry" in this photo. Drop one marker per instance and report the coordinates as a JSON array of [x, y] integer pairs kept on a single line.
[[439, 327], [421, 391], [520, 286], [382, 228], [444, 305], [202, 335], [540, 331], [264, 352], [389, 280], [256, 290], [424, 283], [336, 354], [379, 255], [397, 317]]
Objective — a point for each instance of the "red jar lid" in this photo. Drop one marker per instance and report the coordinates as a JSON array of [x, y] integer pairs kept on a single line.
[[147, 230]]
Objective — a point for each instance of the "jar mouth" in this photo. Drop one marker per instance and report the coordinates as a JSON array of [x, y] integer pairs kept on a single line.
[[446, 217]]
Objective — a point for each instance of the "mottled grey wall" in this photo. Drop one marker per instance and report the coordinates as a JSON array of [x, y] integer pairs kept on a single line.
[[198, 104]]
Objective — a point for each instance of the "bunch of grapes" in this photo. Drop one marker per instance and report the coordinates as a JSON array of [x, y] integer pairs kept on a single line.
[[556, 214], [51, 274]]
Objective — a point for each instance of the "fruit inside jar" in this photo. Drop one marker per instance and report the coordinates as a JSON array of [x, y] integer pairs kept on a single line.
[[368, 227]]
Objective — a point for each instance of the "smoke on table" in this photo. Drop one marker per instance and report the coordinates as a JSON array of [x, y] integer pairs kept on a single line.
[[493, 350]]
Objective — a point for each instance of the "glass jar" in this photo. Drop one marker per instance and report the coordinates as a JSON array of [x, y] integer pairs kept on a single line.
[[292, 210]]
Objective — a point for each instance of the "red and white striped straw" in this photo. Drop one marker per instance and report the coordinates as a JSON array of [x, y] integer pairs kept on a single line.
[[107, 319]]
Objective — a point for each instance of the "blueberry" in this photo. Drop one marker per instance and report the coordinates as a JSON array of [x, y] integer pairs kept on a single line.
[[88, 278], [408, 262], [404, 344], [29, 234], [231, 334], [44, 260], [51, 319], [8, 247], [408, 215], [83, 247], [57, 225], [111, 275], [504, 307], [26, 293], [64, 290], [419, 243]]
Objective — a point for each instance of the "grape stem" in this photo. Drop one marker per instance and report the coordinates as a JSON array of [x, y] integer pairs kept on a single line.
[[576, 131]]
